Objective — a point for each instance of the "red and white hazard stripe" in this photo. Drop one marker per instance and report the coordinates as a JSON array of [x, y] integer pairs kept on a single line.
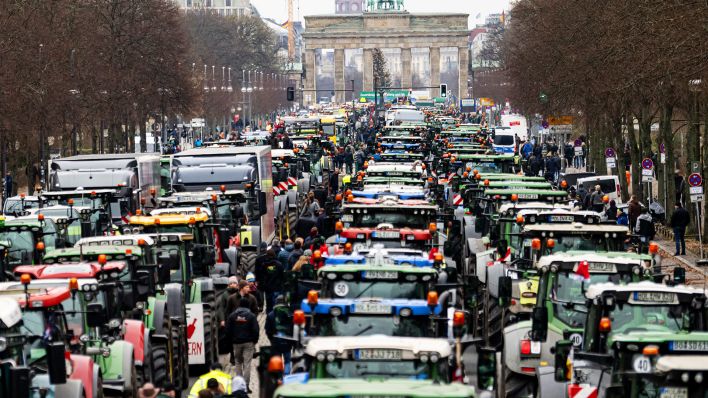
[[276, 190], [292, 181], [457, 199], [582, 391], [449, 176], [283, 186]]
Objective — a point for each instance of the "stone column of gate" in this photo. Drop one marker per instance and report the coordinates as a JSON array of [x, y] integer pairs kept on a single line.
[[406, 75], [310, 78], [368, 69], [435, 71], [339, 83], [464, 68]]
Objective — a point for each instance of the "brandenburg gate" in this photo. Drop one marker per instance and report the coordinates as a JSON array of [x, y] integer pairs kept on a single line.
[[421, 51]]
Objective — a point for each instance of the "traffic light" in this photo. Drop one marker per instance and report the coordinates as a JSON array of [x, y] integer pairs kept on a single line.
[[291, 93], [443, 90]]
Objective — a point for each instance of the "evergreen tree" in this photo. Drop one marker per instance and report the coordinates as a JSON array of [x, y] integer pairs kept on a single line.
[[381, 75]]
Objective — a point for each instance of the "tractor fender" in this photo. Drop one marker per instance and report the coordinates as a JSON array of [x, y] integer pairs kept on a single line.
[[481, 267], [221, 269], [96, 378], [83, 371], [147, 347], [292, 198], [135, 334], [118, 366], [512, 348], [548, 387], [232, 258], [175, 304], [128, 350], [159, 313], [199, 287]]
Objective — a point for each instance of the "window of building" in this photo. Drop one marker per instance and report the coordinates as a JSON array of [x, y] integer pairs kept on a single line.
[[227, 3], [207, 3]]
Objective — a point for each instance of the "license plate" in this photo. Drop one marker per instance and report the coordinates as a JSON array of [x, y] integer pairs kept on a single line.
[[373, 355], [673, 392], [561, 218], [372, 308], [388, 234], [527, 196], [347, 217], [602, 267], [688, 346], [654, 297], [380, 274]]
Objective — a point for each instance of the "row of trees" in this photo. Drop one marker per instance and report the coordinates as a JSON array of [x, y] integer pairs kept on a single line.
[[84, 76], [619, 67]]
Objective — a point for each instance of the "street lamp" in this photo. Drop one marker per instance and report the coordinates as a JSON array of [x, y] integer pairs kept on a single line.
[[213, 81], [230, 88]]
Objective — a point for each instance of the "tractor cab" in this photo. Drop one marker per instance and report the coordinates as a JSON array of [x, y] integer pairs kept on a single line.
[[21, 205], [96, 208], [377, 356], [27, 240], [67, 220]]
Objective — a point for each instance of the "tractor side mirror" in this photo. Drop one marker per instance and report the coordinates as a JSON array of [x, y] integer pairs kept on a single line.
[[504, 291], [56, 362], [679, 275], [95, 315], [486, 368], [262, 204], [562, 369], [146, 282], [20, 380], [539, 324], [163, 274]]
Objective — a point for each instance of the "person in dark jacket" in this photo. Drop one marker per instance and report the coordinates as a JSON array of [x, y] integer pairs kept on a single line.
[[295, 254], [679, 221], [243, 331], [645, 228], [243, 293], [287, 142], [611, 211], [279, 322], [272, 278], [634, 210], [349, 159]]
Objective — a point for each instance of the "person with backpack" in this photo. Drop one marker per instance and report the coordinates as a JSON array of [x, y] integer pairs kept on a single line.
[[645, 228], [243, 331]]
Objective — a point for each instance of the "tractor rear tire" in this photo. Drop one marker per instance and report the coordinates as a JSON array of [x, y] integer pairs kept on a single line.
[[179, 357], [211, 343], [518, 385], [248, 262], [293, 218], [160, 367]]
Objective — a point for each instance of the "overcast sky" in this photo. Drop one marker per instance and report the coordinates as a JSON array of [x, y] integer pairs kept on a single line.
[[278, 9]]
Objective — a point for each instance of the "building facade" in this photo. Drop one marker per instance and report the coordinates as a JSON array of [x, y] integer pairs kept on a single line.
[[348, 6], [238, 8], [421, 51]]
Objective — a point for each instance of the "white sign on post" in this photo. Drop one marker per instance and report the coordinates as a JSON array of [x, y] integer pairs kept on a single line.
[[611, 163], [195, 334], [663, 158], [647, 175], [578, 151], [696, 194]]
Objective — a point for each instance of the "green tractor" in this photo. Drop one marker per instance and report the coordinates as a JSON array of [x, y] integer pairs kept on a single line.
[[560, 310], [628, 329], [148, 295], [27, 238]]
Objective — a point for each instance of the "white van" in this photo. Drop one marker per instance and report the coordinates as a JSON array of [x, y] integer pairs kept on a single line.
[[406, 116], [609, 184], [504, 140], [517, 124]]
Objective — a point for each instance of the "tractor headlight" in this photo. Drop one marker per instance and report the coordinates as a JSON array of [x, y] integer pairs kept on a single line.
[[424, 358], [331, 356], [106, 352], [3, 344], [84, 338], [114, 323], [335, 311], [320, 357], [434, 358]]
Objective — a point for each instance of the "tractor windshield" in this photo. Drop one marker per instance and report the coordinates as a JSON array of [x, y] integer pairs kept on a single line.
[[627, 318], [395, 217], [568, 295], [367, 325], [389, 289], [22, 246], [358, 368]]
